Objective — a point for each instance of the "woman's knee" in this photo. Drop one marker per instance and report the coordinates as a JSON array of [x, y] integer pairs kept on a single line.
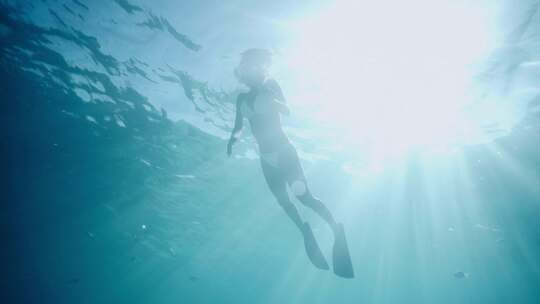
[[311, 201], [303, 194], [299, 188]]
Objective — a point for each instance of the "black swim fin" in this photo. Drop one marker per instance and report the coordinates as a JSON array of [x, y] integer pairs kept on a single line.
[[341, 257], [312, 248]]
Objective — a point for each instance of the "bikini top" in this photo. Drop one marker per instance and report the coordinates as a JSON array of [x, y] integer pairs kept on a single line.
[[263, 102]]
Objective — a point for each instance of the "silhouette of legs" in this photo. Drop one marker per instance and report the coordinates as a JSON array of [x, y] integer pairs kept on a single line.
[[294, 174], [277, 185], [308, 200], [280, 192], [285, 169]]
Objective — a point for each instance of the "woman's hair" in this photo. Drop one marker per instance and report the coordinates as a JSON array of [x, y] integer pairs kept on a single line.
[[257, 57]]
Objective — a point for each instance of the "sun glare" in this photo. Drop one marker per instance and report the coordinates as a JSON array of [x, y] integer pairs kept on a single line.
[[395, 74]]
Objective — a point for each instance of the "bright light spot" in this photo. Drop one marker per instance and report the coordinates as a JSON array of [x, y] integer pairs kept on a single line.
[[298, 187], [394, 75]]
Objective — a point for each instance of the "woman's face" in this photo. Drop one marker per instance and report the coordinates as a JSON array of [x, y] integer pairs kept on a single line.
[[251, 75]]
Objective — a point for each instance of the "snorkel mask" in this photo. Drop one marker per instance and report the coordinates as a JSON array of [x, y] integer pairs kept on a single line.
[[251, 74], [253, 67]]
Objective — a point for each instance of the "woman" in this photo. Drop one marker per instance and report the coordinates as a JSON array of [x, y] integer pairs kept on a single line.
[[262, 106]]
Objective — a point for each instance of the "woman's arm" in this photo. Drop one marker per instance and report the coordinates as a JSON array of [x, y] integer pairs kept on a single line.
[[238, 125]]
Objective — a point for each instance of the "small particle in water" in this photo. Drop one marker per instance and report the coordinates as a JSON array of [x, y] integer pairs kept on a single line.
[[133, 259], [143, 227], [193, 278], [172, 251], [74, 281], [451, 229], [487, 228], [91, 235], [91, 119], [120, 123], [147, 163], [461, 275]]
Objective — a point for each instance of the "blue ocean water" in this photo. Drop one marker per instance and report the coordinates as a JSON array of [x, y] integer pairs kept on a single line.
[[117, 187]]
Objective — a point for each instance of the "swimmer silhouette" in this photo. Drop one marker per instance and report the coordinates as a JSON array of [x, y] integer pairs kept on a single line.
[[262, 106]]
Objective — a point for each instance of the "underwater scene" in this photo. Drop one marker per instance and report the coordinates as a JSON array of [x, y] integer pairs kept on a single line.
[[321, 151]]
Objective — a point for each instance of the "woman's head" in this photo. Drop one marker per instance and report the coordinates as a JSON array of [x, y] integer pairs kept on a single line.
[[253, 67]]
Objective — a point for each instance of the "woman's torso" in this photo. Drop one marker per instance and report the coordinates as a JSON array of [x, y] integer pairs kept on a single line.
[[265, 120]]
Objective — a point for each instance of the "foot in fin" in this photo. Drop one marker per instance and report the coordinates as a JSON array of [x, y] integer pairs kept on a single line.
[[312, 248], [341, 257]]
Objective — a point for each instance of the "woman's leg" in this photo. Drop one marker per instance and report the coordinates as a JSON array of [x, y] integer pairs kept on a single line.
[[316, 205], [277, 184], [276, 178], [298, 185], [297, 182]]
